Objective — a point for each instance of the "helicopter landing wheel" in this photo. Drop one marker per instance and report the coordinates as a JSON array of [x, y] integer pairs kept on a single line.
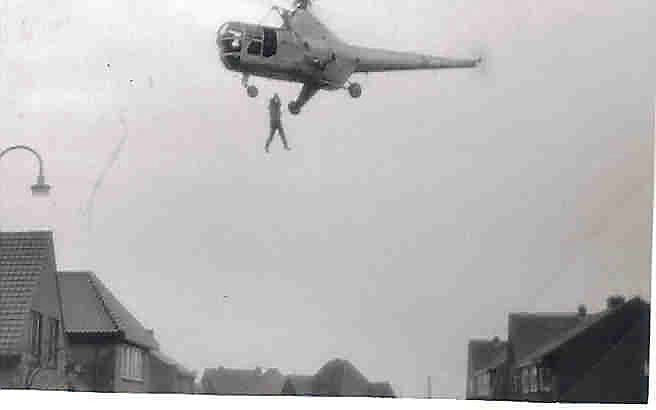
[[294, 108], [355, 90], [252, 91]]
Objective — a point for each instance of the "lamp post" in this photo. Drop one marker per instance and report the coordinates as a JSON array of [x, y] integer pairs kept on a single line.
[[40, 188]]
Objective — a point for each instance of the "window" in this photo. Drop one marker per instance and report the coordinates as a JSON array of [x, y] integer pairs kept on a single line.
[[35, 342], [646, 369], [53, 337], [131, 362], [525, 381], [482, 384], [516, 383], [545, 379], [255, 48], [231, 45], [533, 379], [270, 43]]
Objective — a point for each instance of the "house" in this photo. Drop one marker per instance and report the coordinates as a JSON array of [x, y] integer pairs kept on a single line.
[[109, 349], [296, 385], [484, 357], [31, 337], [340, 378], [242, 382], [337, 378], [577, 357]]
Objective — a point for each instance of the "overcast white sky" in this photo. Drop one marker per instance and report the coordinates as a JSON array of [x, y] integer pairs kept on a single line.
[[402, 224]]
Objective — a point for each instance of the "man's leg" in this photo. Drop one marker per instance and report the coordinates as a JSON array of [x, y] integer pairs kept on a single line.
[[283, 137], [271, 134]]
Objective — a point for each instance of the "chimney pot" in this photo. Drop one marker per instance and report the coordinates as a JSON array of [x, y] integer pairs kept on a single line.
[[583, 310]]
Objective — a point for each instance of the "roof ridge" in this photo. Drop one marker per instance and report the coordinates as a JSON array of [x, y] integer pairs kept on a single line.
[[545, 314]]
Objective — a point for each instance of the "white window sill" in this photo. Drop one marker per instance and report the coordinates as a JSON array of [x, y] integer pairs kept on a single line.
[[132, 379]]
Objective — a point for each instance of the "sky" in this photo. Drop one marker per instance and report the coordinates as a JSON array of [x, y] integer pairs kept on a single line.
[[401, 225]]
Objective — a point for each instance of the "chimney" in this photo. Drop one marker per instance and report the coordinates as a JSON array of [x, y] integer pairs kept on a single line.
[[496, 340], [583, 311], [614, 302]]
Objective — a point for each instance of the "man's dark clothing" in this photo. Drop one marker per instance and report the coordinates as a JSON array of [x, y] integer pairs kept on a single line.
[[276, 123]]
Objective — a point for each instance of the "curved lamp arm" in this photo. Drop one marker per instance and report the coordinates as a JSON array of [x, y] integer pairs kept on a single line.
[[40, 188]]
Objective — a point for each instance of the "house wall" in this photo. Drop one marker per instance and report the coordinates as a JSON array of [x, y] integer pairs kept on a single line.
[[619, 376], [95, 364], [604, 364], [123, 385], [185, 384], [582, 354], [9, 372], [162, 377], [46, 300]]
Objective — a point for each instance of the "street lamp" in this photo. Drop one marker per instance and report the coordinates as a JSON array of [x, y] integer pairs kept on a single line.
[[40, 188]]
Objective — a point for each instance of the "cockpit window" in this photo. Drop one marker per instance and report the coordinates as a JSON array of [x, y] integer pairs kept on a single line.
[[255, 48], [270, 43], [231, 45], [230, 38]]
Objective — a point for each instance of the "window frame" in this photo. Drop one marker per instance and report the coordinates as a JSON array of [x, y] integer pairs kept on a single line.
[[533, 379], [545, 379], [53, 339], [269, 43], [36, 335], [524, 380], [132, 363], [516, 382], [259, 44]]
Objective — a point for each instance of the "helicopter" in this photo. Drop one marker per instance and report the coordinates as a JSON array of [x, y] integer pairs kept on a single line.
[[303, 50]]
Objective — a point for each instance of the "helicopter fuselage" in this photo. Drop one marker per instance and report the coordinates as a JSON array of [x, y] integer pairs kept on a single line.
[[281, 54], [304, 50]]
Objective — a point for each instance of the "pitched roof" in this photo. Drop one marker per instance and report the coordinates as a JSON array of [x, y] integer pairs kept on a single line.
[[89, 307], [500, 357], [23, 257], [584, 324], [298, 385], [340, 378], [486, 354], [159, 355], [529, 331]]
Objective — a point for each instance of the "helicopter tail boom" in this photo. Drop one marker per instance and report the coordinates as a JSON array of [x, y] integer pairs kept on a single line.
[[371, 60]]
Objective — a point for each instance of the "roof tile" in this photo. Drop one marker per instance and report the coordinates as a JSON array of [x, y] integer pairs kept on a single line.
[[103, 313], [23, 256]]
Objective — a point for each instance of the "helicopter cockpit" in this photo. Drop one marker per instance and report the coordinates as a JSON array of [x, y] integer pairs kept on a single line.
[[230, 40], [257, 41]]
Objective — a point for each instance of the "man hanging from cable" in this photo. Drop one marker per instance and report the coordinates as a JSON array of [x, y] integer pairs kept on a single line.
[[276, 123]]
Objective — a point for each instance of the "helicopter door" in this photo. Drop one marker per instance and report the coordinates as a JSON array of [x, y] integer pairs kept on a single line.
[[270, 43], [255, 48]]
